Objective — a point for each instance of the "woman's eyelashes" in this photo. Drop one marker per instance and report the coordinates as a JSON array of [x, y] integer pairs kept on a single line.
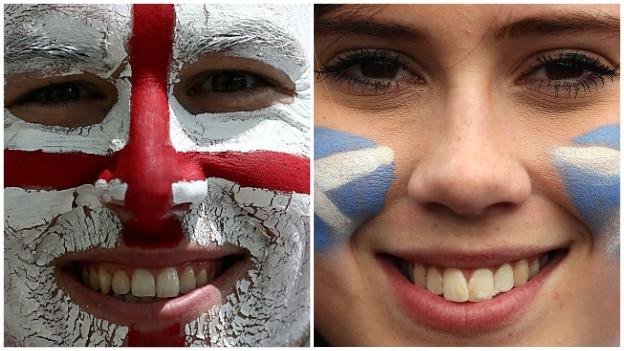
[[371, 71], [562, 73], [567, 74]]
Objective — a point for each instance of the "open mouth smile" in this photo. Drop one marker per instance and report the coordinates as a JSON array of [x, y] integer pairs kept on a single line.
[[151, 289], [468, 294]]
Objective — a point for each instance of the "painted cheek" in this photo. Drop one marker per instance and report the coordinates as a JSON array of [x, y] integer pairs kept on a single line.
[[352, 177], [590, 171]]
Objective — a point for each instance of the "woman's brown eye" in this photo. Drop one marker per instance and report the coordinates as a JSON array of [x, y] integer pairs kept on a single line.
[[563, 70], [379, 69]]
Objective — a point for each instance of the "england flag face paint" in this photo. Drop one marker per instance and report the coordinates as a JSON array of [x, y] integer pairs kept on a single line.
[[590, 168], [352, 177], [156, 226]]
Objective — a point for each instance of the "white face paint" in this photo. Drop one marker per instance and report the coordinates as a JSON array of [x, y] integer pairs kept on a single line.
[[269, 306]]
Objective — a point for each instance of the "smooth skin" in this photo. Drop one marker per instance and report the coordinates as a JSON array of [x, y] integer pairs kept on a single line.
[[473, 135]]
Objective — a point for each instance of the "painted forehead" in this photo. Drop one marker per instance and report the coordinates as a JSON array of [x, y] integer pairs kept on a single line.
[[61, 38], [275, 35]]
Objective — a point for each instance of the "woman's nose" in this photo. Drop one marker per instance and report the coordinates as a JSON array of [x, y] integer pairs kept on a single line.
[[471, 164]]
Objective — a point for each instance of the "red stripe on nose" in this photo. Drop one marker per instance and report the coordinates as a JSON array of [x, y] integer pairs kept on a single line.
[[148, 163]]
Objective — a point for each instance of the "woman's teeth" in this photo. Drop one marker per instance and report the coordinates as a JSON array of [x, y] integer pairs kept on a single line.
[[481, 284], [147, 285]]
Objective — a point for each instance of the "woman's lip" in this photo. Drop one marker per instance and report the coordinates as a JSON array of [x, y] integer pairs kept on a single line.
[[157, 314], [424, 307], [470, 259], [151, 258]]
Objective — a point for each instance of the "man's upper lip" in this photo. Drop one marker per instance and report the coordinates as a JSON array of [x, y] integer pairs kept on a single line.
[[464, 258], [148, 258]]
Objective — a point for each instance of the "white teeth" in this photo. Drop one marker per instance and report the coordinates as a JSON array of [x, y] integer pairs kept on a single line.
[[143, 283], [202, 277], [187, 280], [419, 275], [534, 268], [105, 281], [481, 285], [434, 281], [167, 283], [521, 273], [120, 283], [454, 285], [504, 278], [94, 279]]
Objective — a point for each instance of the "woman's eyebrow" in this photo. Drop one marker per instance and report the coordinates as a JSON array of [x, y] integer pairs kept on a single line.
[[569, 23], [369, 27]]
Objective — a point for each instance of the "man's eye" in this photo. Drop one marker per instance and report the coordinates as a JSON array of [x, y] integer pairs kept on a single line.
[[85, 100], [61, 93], [227, 82]]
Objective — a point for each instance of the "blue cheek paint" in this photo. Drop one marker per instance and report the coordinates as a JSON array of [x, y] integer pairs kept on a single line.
[[590, 170], [352, 177]]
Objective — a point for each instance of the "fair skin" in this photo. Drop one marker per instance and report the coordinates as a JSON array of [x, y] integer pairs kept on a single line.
[[473, 120]]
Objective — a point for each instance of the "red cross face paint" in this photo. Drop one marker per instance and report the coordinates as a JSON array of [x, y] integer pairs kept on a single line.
[[156, 175]]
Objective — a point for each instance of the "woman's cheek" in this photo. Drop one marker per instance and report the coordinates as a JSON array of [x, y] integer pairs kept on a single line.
[[352, 177], [590, 169]]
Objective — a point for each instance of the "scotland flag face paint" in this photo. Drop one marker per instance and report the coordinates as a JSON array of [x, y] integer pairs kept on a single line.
[[591, 175], [352, 177]]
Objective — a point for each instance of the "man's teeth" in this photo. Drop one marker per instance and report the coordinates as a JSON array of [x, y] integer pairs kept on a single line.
[[147, 285], [475, 285]]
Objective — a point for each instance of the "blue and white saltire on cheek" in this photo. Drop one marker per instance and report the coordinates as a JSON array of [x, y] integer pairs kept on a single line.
[[352, 177], [591, 173]]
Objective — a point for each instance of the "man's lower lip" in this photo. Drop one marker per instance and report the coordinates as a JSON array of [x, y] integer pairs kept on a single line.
[[157, 314], [424, 307]]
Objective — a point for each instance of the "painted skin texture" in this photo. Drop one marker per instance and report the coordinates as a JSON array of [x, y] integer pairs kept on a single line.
[[352, 177], [235, 206], [591, 174]]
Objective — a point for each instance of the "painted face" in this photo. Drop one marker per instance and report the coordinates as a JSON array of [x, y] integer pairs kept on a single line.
[[156, 175]]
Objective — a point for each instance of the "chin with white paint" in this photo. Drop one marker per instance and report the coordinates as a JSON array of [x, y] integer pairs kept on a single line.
[[204, 241]]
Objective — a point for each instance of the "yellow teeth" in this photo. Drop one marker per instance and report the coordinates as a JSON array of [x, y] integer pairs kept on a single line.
[[147, 285], [474, 285]]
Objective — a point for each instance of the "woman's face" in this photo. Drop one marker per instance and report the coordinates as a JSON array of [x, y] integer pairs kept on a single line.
[[467, 175], [156, 175]]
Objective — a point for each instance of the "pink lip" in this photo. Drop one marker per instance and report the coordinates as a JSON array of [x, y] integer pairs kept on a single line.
[[160, 314], [424, 307]]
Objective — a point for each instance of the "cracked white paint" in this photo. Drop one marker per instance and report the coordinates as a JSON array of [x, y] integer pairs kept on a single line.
[[31, 32], [276, 35]]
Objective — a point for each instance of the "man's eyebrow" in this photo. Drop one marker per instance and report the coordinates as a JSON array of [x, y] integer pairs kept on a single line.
[[252, 34], [369, 27], [559, 24]]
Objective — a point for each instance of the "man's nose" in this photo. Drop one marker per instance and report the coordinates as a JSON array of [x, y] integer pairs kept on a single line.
[[471, 164], [148, 164]]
